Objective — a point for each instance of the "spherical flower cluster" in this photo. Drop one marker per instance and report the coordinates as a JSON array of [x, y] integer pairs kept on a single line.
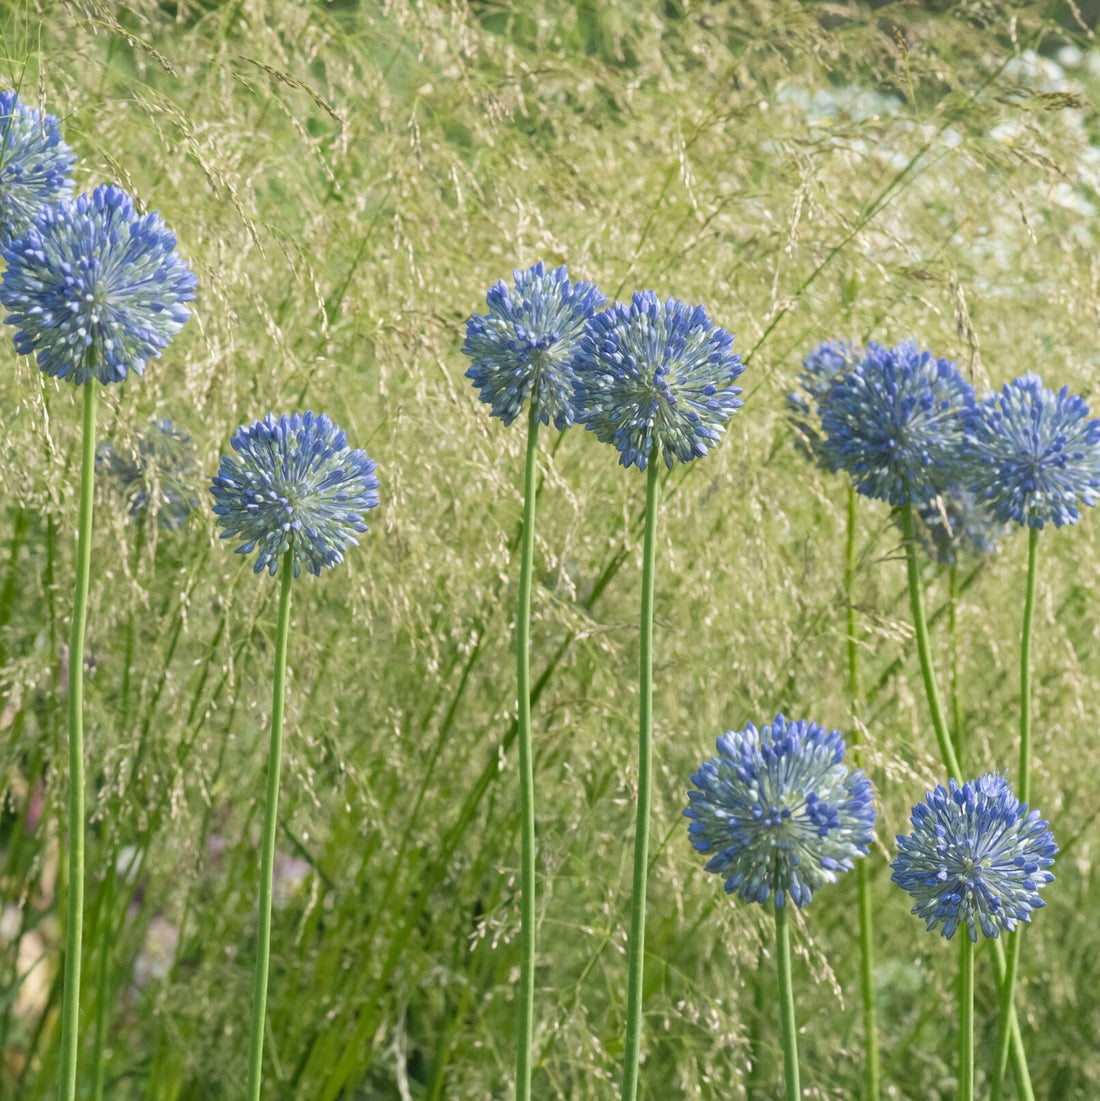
[[894, 423], [523, 349], [780, 811], [656, 374], [1033, 455], [95, 288], [976, 857], [295, 486], [819, 371], [956, 525], [34, 165], [158, 471]]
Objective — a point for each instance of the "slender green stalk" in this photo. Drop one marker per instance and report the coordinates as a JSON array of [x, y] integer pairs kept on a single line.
[[636, 952], [1023, 790], [872, 1073], [953, 636], [267, 857], [74, 919], [788, 1029], [526, 770], [951, 763], [966, 1018]]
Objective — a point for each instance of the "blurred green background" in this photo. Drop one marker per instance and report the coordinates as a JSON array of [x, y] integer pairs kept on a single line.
[[347, 180]]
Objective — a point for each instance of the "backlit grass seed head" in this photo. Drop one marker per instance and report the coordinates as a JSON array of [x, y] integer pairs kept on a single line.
[[779, 811], [894, 423], [523, 348], [94, 288], [294, 485], [819, 371], [34, 165], [976, 857], [1033, 455], [656, 373]]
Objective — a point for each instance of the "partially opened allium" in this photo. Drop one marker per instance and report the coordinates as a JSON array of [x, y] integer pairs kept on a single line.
[[523, 349], [819, 371], [657, 374], [894, 423], [296, 486], [976, 857], [95, 288], [1033, 454], [34, 165], [780, 812], [957, 525]]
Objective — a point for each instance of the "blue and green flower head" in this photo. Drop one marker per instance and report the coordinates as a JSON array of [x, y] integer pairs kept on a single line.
[[779, 811], [977, 857], [1033, 455], [819, 371], [657, 374], [895, 423], [94, 288], [296, 486], [523, 349], [35, 165]]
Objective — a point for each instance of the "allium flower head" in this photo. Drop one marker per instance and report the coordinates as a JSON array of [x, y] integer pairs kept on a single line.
[[1033, 455], [957, 525], [158, 470], [34, 165], [95, 288], [296, 486], [780, 811], [894, 423], [523, 348], [819, 371], [656, 373], [976, 857]]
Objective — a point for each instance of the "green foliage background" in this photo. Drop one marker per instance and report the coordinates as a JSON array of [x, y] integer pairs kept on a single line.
[[347, 180]]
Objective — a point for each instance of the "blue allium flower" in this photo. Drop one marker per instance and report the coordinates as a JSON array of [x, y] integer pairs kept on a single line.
[[780, 811], [1034, 455], [976, 857], [34, 165], [158, 470], [523, 349], [295, 486], [956, 525], [819, 371], [894, 423], [95, 288], [655, 373]]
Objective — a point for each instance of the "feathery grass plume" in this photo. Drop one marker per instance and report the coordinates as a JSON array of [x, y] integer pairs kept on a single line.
[[1033, 455], [523, 351], [781, 815], [157, 476], [894, 423], [652, 379], [296, 493], [35, 165], [98, 290], [819, 371]]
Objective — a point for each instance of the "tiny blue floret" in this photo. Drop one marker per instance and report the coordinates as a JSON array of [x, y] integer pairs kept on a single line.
[[780, 812], [296, 486], [976, 857], [94, 288], [1033, 455], [894, 423], [523, 349], [656, 375], [34, 165]]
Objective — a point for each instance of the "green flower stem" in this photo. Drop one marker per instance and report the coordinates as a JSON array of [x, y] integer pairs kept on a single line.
[[526, 769], [951, 763], [871, 1065], [74, 918], [1023, 791], [788, 1029], [953, 635], [267, 858], [636, 952], [966, 1018]]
